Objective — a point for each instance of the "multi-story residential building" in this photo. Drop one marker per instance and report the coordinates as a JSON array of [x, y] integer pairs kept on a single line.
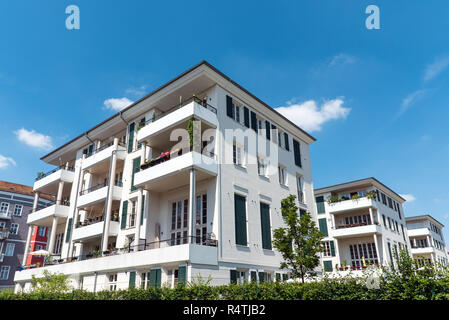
[[363, 223], [38, 241], [426, 240], [137, 205], [16, 201]]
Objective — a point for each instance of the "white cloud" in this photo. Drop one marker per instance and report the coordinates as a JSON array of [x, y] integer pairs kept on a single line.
[[436, 67], [342, 58], [6, 161], [408, 197], [34, 139], [136, 91], [310, 117], [408, 101], [117, 104]]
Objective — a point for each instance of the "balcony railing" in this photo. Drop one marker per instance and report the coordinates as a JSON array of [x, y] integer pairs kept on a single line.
[[179, 106], [99, 186], [101, 148], [43, 175], [204, 241], [353, 225], [97, 219], [5, 215], [165, 156], [61, 202]]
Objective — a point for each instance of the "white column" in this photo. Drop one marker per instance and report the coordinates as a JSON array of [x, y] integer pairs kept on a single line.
[[333, 221], [54, 225], [27, 244], [59, 195], [107, 218], [377, 249], [371, 215], [429, 241], [36, 200], [138, 217], [191, 227]]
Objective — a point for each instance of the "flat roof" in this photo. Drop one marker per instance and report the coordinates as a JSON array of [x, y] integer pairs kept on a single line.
[[423, 216], [204, 62], [360, 181]]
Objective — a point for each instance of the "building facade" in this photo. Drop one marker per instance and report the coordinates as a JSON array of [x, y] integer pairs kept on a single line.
[[426, 240], [137, 205], [363, 223], [16, 202]]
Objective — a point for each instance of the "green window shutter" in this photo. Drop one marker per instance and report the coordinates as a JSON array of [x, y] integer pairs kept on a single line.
[[267, 128], [323, 226], [132, 279], [158, 277], [287, 145], [297, 153], [233, 274], [320, 204], [229, 106], [240, 220], [284, 277], [136, 168], [153, 278], [246, 116], [69, 230], [131, 137], [261, 277], [327, 266], [254, 121], [124, 214], [331, 243], [142, 211], [301, 213], [278, 276], [182, 275], [265, 221], [254, 276]]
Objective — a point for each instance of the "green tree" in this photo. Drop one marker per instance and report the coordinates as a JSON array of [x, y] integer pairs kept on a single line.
[[300, 242], [51, 283]]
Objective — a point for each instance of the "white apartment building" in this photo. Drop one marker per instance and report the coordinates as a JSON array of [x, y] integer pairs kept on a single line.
[[363, 223], [426, 240], [136, 208]]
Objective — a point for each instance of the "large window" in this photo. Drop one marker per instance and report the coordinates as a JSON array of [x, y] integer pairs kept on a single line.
[[179, 222], [4, 207], [144, 280], [282, 175], [58, 243], [237, 154], [18, 209], [14, 228], [363, 252], [4, 272], [201, 219], [265, 226], [240, 219], [113, 282], [299, 189], [9, 252]]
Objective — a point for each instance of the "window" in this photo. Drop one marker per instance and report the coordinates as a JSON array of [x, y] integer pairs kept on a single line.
[[261, 166], [397, 226], [299, 189], [179, 222], [9, 252], [363, 251], [384, 199], [58, 243], [385, 222], [286, 143], [4, 207], [18, 209], [201, 219], [237, 154], [42, 231], [282, 175], [323, 226], [4, 272], [113, 282], [389, 223], [297, 153], [265, 226], [327, 249], [237, 114], [14, 228], [144, 280], [132, 216], [390, 203]]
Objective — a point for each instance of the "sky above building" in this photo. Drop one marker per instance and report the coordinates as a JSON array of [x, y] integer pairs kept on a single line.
[[375, 99]]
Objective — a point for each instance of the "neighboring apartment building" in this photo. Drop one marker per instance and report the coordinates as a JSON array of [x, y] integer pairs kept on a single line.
[[136, 208], [426, 240], [363, 223], [16, 201]]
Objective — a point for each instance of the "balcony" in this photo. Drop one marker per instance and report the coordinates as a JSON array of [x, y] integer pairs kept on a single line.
[[352, 204], [5, 215], [103, 154], [418, 232], [97, 194], [356, 230], [4, 233], [46, 182], [168, 172], [152, 254], [44, 217], [93, 230], [178, 114], [416, 250]]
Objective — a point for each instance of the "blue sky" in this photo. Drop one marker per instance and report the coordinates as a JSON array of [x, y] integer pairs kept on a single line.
[[376, 100]]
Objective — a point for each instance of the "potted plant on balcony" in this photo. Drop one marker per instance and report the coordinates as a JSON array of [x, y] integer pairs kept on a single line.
[[40, 175], [371, 195], [355, 196], [96, 253], [333, 199]]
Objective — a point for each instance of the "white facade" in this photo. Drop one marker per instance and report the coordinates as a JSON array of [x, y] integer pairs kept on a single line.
[[426, 240], [363, 222], [182, 209]]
